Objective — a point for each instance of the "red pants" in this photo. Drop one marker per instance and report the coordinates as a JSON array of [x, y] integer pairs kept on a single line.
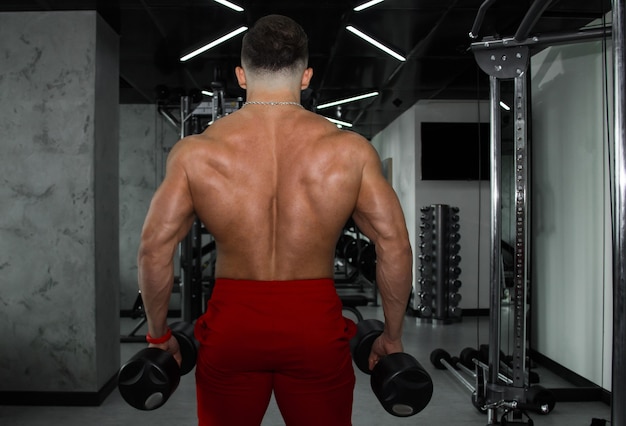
[[288, 337]]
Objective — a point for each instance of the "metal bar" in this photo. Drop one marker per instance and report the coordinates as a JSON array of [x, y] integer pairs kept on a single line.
[[186, 246], [545, 39], [618, 394], [531, 18], [496, 231], [440, 261], [458, 375], [167, 115], [466, 370], [520, 266], [501, 376], [480, 16]]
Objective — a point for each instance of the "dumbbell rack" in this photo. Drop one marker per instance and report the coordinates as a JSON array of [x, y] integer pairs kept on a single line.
[[439, 264]]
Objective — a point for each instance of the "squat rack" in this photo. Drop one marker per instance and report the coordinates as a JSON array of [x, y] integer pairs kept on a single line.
[[506, 59]]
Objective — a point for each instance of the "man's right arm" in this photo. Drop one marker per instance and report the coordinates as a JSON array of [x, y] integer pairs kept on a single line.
[[379, 216]]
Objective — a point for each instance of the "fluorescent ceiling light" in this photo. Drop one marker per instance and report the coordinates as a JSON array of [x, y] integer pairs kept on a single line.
[[505, 106], [207, 93], [339, 122], [233, 6], [213, 43], [345, 101], [375, 43], [365, 5]]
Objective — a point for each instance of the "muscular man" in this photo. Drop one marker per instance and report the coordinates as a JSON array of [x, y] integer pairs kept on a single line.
[[275, 184]]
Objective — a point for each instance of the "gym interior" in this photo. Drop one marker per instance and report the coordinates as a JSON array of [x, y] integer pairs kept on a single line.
[[499, 124]]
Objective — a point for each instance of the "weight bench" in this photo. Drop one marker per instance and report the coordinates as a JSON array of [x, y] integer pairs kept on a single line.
[[350, 303]]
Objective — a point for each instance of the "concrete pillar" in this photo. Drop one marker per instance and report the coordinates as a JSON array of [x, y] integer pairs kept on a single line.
[[59, 245]]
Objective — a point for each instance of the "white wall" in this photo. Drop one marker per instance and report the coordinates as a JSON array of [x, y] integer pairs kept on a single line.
[[401, 141], [397, 142], [571, 251]]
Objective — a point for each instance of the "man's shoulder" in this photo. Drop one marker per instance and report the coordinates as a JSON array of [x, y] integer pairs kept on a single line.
[[352, 142]]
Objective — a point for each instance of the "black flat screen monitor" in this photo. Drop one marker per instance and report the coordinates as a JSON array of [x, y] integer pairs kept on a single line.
[[455, 151]]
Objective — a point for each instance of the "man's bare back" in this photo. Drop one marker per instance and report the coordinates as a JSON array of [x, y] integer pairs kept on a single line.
[[274, 185]]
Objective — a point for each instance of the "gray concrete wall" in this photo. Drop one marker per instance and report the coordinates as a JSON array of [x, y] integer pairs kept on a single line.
[[59, 260], [144, 141]]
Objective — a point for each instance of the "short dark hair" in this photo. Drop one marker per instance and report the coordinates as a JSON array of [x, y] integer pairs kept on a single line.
[[275, 43]]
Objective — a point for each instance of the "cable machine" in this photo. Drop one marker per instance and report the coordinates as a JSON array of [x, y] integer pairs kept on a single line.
[[508, 59]]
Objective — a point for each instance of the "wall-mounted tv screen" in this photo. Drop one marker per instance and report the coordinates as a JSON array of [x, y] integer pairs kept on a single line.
[[455, 151]]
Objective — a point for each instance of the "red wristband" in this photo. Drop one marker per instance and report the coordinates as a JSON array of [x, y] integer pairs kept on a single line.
[[161, 339]]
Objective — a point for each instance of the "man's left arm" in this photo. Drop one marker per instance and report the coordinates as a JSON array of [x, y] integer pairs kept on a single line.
[[169, 219]]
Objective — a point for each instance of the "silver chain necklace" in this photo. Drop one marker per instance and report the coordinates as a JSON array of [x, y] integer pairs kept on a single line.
[[272, 103]]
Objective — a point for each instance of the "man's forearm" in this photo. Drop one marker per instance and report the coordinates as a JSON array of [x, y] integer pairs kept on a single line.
[[394, 278], [156, 280]]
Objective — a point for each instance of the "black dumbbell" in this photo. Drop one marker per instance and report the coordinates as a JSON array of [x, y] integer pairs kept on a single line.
[[148, 379], [467, 356], [398, 380]]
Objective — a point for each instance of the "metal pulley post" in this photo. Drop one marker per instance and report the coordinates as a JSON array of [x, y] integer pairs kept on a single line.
[[496, 237], [618, 389], [507, 63], [186, 245]]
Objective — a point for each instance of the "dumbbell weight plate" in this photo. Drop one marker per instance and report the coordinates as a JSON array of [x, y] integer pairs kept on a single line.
[[148, 379], [401, 384], [466, 357], [361, 344], [183, 331], [540, 396], [437, 355]]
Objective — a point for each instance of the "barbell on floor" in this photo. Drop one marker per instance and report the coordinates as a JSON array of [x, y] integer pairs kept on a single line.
[[538, 398]]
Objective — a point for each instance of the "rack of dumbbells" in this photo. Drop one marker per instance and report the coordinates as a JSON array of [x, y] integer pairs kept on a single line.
[[439, 264]]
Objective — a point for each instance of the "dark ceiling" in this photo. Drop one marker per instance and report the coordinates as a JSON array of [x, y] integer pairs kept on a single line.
[[432, 34]]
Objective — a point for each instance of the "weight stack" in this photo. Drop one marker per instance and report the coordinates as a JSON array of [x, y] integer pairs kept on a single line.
[[439, 264]]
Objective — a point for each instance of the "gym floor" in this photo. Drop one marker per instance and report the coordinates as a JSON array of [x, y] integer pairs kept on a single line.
[[450, 404]]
